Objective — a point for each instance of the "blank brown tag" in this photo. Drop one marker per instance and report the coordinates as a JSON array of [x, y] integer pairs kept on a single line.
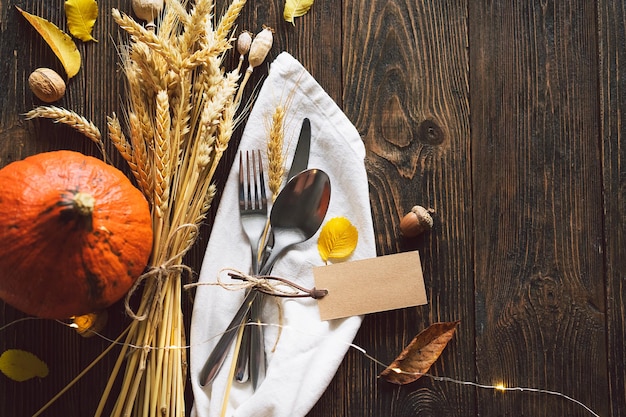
[[370, 285]]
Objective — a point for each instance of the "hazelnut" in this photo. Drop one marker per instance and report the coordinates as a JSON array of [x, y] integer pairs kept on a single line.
[[417, 221], [46, 84]]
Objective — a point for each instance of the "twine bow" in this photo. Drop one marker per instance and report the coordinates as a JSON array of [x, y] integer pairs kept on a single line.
[[159, 273], [267, 284]]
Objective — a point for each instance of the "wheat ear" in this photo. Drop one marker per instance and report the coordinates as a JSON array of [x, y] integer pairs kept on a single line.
[[140, 154], [72, 119], [162, 154], [228, 20], [275, 156], [171, 55], [68, 117]]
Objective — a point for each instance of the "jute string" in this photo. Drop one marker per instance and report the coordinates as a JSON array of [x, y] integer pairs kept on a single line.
[[268, 284], [159, 273]]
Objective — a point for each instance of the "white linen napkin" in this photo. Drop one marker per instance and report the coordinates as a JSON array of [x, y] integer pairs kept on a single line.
[[309, 351]]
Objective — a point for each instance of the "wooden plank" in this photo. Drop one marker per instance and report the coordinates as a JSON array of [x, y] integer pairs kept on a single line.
[[612, 56], [537, 195], [406, 90]]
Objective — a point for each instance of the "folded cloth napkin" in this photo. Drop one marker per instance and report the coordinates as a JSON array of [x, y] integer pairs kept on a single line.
[[308, 352]]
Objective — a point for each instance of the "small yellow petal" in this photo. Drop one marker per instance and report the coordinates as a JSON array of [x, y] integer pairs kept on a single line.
[[296, 8], [20, 365], [338, 239]]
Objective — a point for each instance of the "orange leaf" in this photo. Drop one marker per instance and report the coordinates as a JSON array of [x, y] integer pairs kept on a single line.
[[417, 358]]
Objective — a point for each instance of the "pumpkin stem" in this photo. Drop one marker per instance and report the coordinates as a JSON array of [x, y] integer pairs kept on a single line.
[[83, 203]]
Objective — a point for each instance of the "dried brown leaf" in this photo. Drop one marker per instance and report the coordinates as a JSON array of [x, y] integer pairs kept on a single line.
[[417, 358]]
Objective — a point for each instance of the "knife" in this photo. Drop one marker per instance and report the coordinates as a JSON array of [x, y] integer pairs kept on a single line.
[[256, 358], [301, 155]]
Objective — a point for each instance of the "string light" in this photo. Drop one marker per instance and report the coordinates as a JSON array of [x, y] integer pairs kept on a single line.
[[14, 322], [497, 387]]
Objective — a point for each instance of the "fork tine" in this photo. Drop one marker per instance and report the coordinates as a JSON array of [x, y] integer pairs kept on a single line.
[[254, 204], [263, 202], [242, 195], [249, 203]]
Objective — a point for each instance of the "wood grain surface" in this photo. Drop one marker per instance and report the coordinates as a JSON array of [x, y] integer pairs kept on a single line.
[[503, 117], [536, 168]]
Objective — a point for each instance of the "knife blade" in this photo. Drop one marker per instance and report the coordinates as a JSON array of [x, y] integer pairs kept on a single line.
[[301, 155]]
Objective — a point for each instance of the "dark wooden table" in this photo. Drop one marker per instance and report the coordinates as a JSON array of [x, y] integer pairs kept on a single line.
[[504, 117]]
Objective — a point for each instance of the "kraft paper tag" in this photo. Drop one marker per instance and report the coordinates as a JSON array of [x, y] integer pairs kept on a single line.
[[371, 285]]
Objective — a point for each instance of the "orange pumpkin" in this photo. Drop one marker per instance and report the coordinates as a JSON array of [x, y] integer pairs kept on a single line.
[[75, 234]]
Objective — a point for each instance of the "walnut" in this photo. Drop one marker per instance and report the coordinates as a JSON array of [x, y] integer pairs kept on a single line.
[[46, 84]]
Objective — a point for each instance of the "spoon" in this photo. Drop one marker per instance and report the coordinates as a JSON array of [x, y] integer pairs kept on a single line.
[[296, 215], [294, 219], [298, 212]]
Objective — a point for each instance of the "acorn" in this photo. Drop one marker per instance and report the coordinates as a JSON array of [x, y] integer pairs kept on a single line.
[[416, 222]]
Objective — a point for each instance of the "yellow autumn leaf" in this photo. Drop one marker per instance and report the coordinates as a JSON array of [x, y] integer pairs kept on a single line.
[[338, 239], [296, 8], [81, 16], [61, 43], [20, 365]]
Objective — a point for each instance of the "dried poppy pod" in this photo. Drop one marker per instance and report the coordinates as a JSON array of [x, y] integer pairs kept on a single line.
[[260, 47], [243, 42], [416, 222], [148, 10]]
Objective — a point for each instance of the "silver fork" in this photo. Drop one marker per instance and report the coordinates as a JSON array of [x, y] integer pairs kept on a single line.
[[253, 212], [253, 215]]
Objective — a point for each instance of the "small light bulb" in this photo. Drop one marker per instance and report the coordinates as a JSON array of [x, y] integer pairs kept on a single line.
[[500, 387]]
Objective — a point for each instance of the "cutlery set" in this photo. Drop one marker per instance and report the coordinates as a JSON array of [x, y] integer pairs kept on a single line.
[[296, 215]]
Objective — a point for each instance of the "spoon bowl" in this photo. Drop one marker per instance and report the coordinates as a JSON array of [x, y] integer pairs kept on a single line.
[[298, 212]]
